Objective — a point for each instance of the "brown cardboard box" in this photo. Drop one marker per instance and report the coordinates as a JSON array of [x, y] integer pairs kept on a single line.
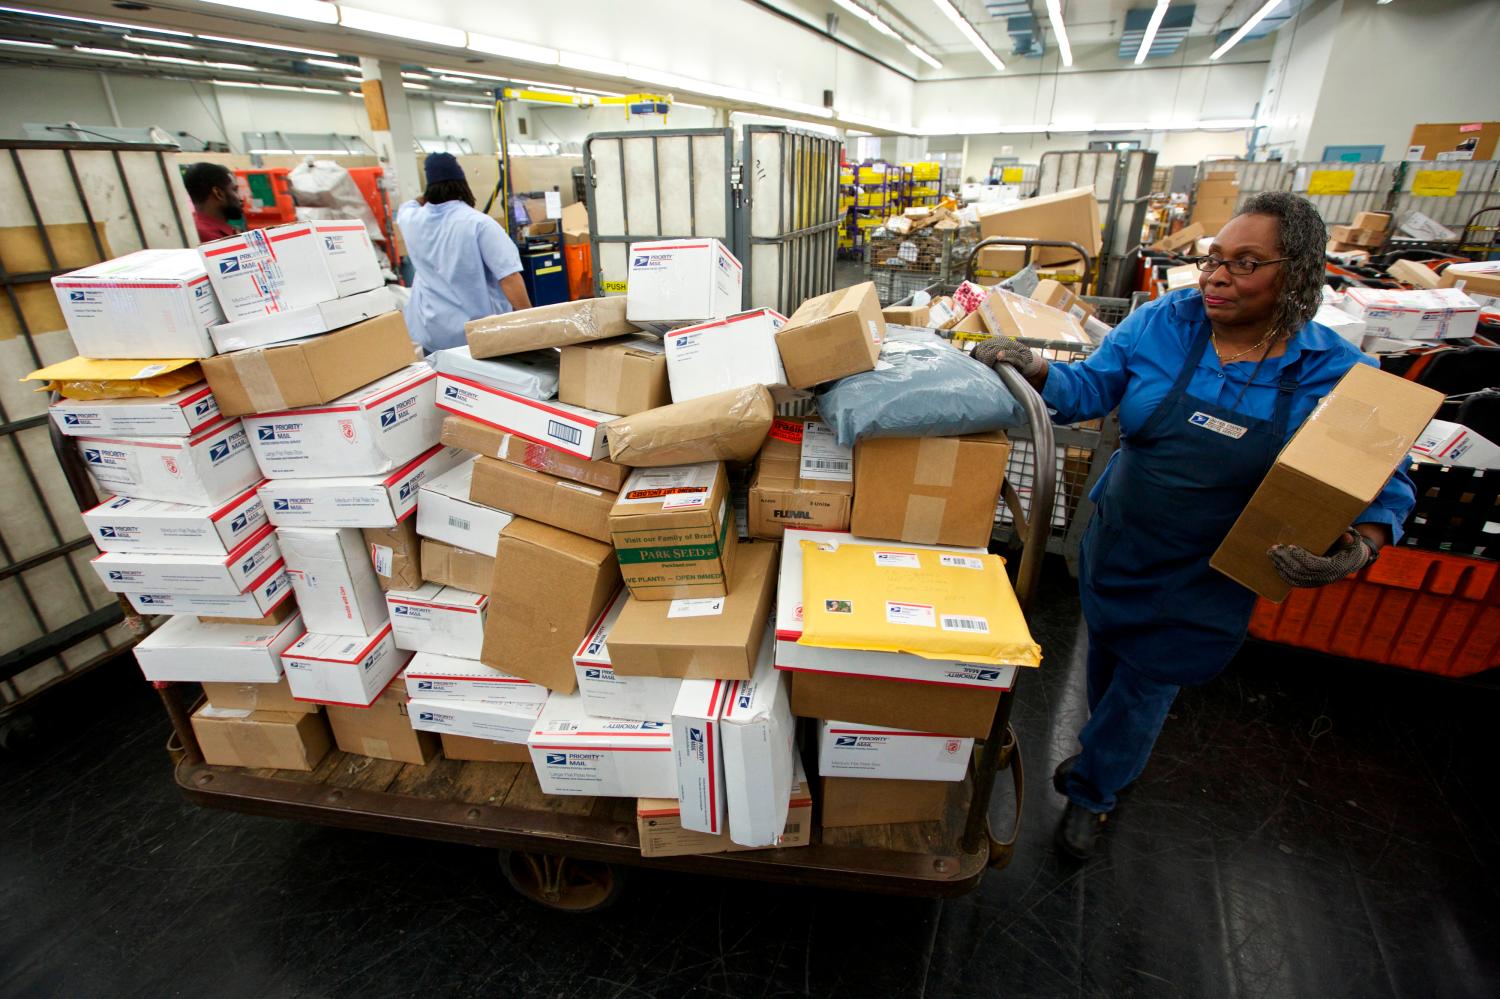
[[1181, 240], [275, 615], [458, 567], [1478, 138], [1418, 275], [656, 637], [866, 801], [928, 490], [624, 376], [1213, 211], [1331, 469], [1182, 276], [725, 426], [1356, 236], [257, 697], [1003, 313], [925, 707], [832, 336], [544, 498], [1373, 221], [463, 747], [1054, 294], [382, 731], [548, 326], [396, 553], [471, 435], [312, 371], [671, 528], [905, 315], [1481, 279], [276, 740], [547, 591], [658, 824], [1068, 216], [999, 261], [779, 495], [575, 224]]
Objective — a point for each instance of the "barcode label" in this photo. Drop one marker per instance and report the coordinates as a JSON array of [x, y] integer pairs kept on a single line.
[[462, 523], [822, 464], [954, 622], [962, 562], [822, 456], [563, 432], [792, 829]]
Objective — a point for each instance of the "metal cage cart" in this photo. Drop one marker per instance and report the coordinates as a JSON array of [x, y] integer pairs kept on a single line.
[[901, 265]]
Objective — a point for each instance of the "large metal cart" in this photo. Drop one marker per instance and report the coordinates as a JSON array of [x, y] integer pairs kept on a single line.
[[569, 852]]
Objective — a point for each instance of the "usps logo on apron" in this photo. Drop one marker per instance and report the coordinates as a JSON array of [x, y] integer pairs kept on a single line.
[[1218, 426]]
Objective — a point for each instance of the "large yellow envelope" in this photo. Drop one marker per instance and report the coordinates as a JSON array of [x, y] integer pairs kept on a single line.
[[91, 378], [934, 604]]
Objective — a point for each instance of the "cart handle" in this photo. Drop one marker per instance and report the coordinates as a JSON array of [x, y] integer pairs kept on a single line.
[[1028, 244]]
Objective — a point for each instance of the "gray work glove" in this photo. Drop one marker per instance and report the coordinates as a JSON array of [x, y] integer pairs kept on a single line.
[[1300, 567], [999, 350]]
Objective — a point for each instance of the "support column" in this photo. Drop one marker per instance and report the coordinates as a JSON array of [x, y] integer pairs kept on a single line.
[[390, 121]]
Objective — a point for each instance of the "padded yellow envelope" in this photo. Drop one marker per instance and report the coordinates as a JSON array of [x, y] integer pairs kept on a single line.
[[92, 378], [934, 604]]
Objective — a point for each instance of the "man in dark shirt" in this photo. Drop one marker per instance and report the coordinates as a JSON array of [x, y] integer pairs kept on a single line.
[[216, 200]]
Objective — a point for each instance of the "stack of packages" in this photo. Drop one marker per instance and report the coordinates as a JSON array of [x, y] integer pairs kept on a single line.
[[1065, 217], [1383, 320], [1367, 233], [1215, 200]]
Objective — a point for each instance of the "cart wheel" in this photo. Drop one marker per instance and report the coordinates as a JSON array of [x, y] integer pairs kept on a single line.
[[17, 731], [566, 884]]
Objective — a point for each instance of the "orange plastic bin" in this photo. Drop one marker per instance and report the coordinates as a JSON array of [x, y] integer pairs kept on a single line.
[[578, 258]]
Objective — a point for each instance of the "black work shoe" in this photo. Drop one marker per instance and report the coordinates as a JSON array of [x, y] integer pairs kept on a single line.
[[1060, 775], [1079, 831]]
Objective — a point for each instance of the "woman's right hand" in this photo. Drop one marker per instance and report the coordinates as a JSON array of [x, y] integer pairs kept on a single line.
[[1000, 350]]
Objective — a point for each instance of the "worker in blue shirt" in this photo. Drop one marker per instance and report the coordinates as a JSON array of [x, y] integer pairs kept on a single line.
[[466, 265], [1210, 383]]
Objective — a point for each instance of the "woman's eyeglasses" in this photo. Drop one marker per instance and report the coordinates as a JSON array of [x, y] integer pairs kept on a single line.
[[1239, 268]]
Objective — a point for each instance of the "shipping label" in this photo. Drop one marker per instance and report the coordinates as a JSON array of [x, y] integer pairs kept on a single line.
[[823, 457]]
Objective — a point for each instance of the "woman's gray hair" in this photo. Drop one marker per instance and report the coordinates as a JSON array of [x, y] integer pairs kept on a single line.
[[1303, 239]]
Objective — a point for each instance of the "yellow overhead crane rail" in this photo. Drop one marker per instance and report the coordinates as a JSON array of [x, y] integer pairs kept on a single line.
[[633, 104]]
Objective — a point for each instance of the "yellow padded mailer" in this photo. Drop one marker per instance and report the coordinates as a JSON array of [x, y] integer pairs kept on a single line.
[[934, 604]]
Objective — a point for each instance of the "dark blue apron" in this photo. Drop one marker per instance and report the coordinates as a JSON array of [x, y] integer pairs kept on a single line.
[[1177, 486]]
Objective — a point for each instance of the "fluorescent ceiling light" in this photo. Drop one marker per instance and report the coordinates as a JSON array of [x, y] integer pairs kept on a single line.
[[523, 51], [26, 45], [277, 86], [302, 10], [112, 53], [923, 55], [241, 67], [407, 75], [1150, 36], [91, 20], [331, 64], [968, 31], [234, 83], [163, 42], [459, 79], [466, 73], [416, 86], [320, 90], [175, 60], [354, 79], [1054, 14], [591, 64], [266, 45], [1245, 28], [469, 104], [401, 27]]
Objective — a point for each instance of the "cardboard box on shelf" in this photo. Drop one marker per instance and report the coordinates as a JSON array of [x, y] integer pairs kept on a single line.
[[205, 469], [446, 513], [831, 336], [725, 354], [334, 580], [847, 749], [185, 649], [725, 426], [678, 281], [310, 372], [607, 694], [212, 575], [703, 637], [493, 442], [1455, 444], [697, 753], [659, 825], [296, 324], [803, 478], [757, 730], [245, 696], [625, 375], [151, 303], [1331, 469], [855, 801], [396, 554], [671, 528], [496, 720], [290, 266], [1356, 236], [466, 747], [548, 326], [260, 599], [382, 731], [372, 430], [1438, 314], [456, 567], [275, 740], [1373, 221], [1181, 241], [573, 429], [440, 619], [1479, 280], [576, 754], [431, 676], [1414, 273], [1054, 294], [178, 414], [547, 591], [929, 490], [532, 375], [547, 499], [1068, 216], [905, 315], [342, 669], [125, 524], [1003, 313], [355, 501]]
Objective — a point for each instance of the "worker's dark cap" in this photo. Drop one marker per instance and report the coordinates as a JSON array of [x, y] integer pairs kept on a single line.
[[442, 166]]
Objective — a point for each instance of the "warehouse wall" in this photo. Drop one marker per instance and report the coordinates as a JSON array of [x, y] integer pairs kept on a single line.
[[1295, 77], [1172, 148]]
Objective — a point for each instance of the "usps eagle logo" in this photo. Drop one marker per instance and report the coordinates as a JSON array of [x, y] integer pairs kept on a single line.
[[846, 740]]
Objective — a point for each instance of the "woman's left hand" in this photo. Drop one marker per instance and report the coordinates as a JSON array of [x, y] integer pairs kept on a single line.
[[1300, 567]]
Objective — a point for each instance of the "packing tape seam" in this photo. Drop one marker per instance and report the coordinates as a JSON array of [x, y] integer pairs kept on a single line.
[[1357, 425], [923, 521], [254, 372]]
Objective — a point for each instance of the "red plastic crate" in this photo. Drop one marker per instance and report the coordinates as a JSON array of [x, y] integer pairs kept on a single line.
[[1421, 610]]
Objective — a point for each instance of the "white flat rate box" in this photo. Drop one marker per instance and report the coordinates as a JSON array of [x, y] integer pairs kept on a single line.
[[757, 731], [440, 619], [290, 266], [174, 415], [677, 281], [151, 303], [1456, 444], [295, 324], [204, 469], [445, 513], [725, 354], [846, 749], [575, 753], [607, 694], [337, 589], [697, 755], [573, 429], [187, 650], [496, 720], [1422, 314], [342, 669], [356, 501], [126, 524], [259, 599], [212, 575], [369, 431], [433, 677]]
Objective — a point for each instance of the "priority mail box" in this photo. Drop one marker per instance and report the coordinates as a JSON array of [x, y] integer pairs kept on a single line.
[[355, 501], [342, 669], [382, 731], [495, 720], [151, 303], [625, 376], [607, 694], [757, 731], [574, 753], [222, 575], [334, 580], [493, 442], [205, 469], [1456, 444], [188, 650], [374, 429], [264, 597], [170, 415], [126, 524], [578, 431], [832, 336], [803, 478], [532, 375], [431, 676], [679, 281], [847, 749], [671, 530], [445, 513], [439, 619], [310, 320], [725, 354], [275, 740], [697, 755], [547, 499], [290, 266], [1421, 314], [659, 825]]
